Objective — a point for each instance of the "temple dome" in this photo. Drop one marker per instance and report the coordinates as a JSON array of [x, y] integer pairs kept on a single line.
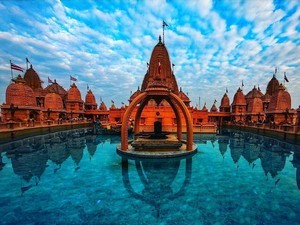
[[103, 106], [90, 98], [281, 100], [136, 93], [225, 102], [254, 101], [255, 105], [32, 79], [214, 108], [53, 101], [112, 107], [159, 71], [254, 93], [74, 94], [184, 97], [266, 97], [56, 88], [19, 93], [239, 98], [272, 86]]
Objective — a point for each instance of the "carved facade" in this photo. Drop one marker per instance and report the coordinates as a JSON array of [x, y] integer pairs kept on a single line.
[[26, 99]]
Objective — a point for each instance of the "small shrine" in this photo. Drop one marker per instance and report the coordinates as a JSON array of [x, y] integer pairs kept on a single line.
[[159, 85]]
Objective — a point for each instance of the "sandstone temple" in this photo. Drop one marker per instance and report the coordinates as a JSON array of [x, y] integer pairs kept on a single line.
[[27, 100]]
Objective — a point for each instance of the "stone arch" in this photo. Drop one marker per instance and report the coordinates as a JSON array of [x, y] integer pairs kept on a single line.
[[124, 131], [139, 113], [175, 110], [144, 96], [179, 122], [188, 119]]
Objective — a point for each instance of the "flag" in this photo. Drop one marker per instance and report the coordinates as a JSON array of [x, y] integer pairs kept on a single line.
[[28, 61], [16, 67], [165, 24], [285, 78], [50, 81], [215, 101], [73, 78], [112, 102]]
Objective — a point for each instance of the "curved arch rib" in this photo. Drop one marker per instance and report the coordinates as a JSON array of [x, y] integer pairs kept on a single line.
[[124, 129]]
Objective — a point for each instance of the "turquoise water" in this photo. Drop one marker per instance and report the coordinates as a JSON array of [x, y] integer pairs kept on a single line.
[[73, 177]]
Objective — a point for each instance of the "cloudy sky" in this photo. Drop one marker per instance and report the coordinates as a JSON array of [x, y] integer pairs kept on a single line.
[[106, 44]]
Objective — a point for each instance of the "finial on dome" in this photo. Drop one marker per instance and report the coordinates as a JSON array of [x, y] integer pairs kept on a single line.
[[159, 39]]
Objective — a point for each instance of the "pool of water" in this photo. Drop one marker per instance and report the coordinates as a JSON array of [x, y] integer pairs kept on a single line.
[[74, 177]]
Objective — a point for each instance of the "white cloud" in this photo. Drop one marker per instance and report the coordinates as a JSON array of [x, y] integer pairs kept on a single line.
[[109, 47], [202, 7]]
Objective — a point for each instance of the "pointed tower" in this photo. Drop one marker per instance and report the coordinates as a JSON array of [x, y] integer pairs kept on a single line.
[[160, 73], [239, 106], [160, 85], [225, 103]]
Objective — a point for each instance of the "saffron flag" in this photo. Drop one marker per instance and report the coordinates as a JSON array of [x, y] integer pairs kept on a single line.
[[73, 78], [50, 81], [16, 67], [285, 78], [165, 24]]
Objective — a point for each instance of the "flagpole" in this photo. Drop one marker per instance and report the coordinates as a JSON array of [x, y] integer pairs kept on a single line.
[[12, 77], [163, 33]]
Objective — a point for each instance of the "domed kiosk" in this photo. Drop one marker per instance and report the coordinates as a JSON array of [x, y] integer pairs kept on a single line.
[[159, 84]]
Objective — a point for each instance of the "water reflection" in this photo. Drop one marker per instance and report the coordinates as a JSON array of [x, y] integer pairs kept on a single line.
[[272, 153], [157, 178], [296, 164], [30, 158]]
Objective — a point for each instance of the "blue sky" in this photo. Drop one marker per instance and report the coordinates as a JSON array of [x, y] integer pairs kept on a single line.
[[106, 44]]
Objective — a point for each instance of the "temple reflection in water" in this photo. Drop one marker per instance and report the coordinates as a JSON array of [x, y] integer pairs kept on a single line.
[[157, 177], [30, 158]]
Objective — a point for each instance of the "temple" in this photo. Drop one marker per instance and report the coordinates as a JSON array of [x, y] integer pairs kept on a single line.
[[28, 102]]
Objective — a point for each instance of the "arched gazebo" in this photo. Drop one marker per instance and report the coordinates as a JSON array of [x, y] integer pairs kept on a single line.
[[159, 84]]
